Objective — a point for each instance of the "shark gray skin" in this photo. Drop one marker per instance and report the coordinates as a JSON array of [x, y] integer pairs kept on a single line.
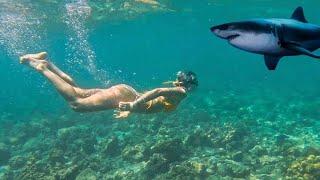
[[273, 38]]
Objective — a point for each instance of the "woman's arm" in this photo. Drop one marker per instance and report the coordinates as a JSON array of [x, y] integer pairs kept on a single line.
[[150, 95]]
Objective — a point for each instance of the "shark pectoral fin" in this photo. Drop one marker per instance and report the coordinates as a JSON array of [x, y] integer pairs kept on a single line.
[[299, 49], [271, 61]]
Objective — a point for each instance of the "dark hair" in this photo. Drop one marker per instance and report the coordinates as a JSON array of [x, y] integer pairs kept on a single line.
[[188, 79]]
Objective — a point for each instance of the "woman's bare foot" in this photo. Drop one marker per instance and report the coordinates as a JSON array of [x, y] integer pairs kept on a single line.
[[38, 56], [41, 65], [36, 61]]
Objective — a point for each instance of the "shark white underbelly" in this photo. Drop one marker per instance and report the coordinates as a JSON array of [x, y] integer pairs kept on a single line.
[[262, 43]]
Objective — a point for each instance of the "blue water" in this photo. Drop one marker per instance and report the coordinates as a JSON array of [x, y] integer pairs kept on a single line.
[[143, 46]]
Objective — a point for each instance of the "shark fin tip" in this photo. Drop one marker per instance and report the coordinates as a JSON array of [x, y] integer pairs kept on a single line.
[[298, 15]]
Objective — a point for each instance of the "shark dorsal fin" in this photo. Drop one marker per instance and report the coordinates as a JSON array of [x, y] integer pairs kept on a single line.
[[299, 15]]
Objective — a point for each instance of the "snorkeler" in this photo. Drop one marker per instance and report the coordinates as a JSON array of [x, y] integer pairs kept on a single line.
[[121, 97]]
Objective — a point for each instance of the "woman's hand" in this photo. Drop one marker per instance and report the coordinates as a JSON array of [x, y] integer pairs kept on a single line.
[[121, 114], [124, 110], [125, 106]]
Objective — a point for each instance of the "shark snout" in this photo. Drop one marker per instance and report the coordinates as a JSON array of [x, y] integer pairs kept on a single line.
[[224, 31], [219, 30]]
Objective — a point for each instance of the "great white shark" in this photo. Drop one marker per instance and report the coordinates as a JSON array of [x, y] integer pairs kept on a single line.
[[273, 38]]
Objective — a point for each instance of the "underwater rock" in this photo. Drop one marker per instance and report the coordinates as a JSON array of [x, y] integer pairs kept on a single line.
[[298, 151], [17, 162], [230, 137], [87, 174], [17, 137], [157, 164], [123, 175], [5, 174], [68, 173], [34, 169], [199, 168], [173, 149], [181, 172], [237, 156], [233, 169], [32, 144], [191, 169], [56, 155], [75, 139], [86, 144], [202, 116], [258, 150], [235, 134], [269, 160], [112, 147], [311, 150], [133, 153], [305, 168], [282, 138], [198, 138], [70, 134], [14, 140], [4, 153], [22, 132]]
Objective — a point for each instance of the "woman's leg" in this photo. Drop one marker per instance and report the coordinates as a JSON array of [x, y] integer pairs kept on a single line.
[[83, 93], [65, 89], [81, 100], [61, 74], [36, 59], [51, 66]]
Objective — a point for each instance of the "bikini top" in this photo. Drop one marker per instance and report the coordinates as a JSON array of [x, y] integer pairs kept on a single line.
[[168, 106]]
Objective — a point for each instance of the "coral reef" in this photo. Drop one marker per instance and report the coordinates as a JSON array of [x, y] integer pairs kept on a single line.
[[305, 168], [226, 141]]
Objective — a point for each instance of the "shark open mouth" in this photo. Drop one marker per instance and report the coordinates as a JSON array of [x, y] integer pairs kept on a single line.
[[231, 37]]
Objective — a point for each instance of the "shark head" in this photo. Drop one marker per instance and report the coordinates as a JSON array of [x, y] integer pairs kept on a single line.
[[253, 35], [227, 31]]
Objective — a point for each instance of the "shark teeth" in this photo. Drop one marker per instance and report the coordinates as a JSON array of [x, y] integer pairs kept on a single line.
[[231, 37]]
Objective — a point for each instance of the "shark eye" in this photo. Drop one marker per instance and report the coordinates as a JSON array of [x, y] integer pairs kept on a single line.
[[231, 27], [224, 27]]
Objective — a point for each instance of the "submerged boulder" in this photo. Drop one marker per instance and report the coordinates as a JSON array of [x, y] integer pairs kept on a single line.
[[172, 150], [133, 153], [198, 138], [157, 164], [17, 162], [75, 139], [111, 147], [305, 168], [56, 155], [233, 169]]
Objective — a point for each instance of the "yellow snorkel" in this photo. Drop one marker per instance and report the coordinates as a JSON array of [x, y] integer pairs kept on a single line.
[[174, 83], [168, 82]]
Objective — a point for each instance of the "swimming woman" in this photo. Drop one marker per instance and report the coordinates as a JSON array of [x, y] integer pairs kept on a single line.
[[121, 97]]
